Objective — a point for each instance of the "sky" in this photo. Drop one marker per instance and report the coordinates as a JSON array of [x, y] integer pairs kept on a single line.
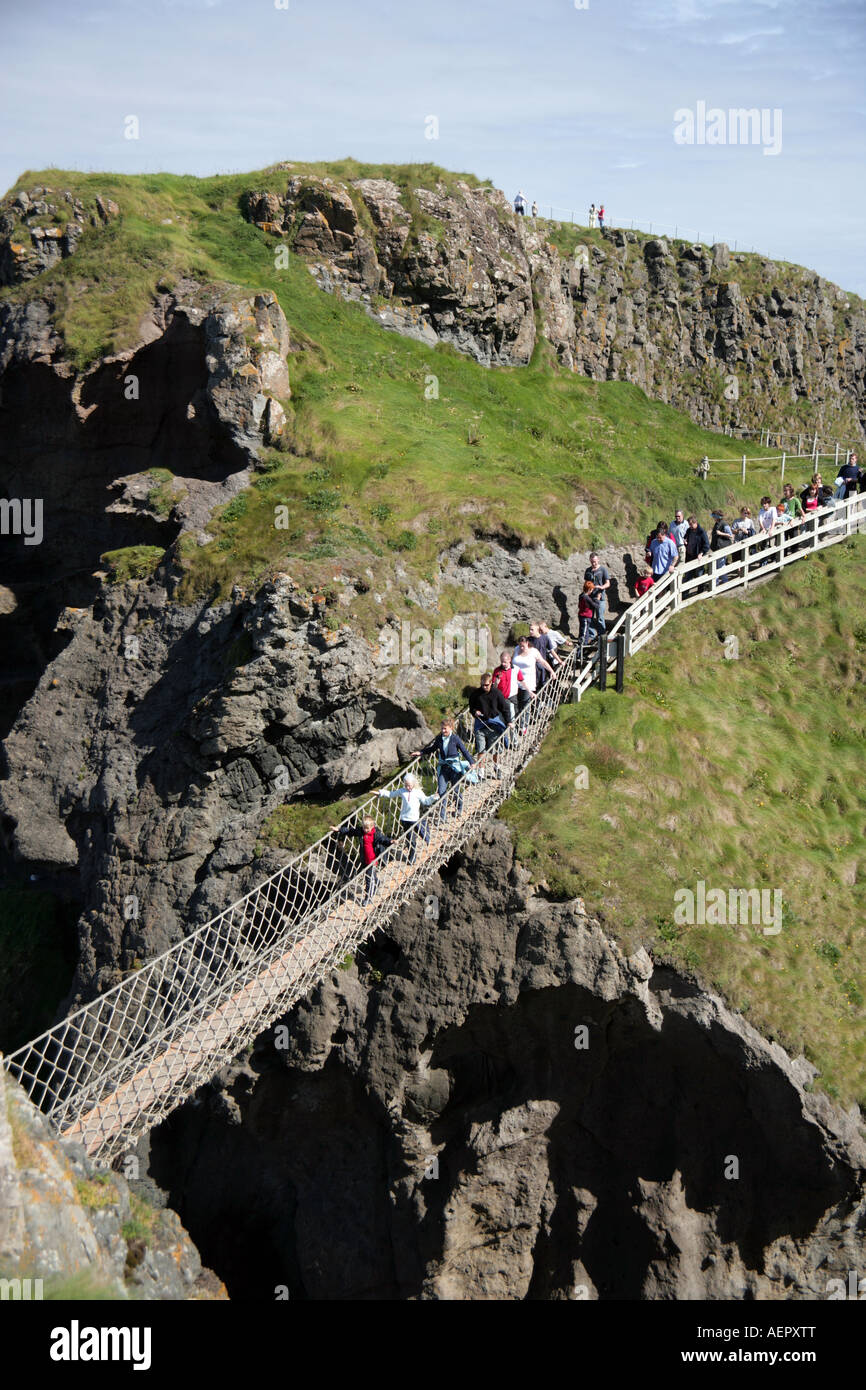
[[572, 101]]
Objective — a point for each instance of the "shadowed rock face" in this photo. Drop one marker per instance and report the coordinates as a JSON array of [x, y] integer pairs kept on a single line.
[[189, 399], [145, 777], [428, 1128]]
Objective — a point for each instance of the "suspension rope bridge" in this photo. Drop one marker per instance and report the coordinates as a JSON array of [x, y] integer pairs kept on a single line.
[[113, 1069]]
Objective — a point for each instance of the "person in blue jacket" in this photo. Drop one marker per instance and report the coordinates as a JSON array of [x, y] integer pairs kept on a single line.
[[453, 757]]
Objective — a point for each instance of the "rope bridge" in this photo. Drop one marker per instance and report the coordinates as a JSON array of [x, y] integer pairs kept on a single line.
[[114, 1068]]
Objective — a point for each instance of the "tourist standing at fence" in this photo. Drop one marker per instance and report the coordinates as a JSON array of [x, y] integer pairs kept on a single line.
[[600, 576], [411, 797], [850, 475], [601, 216]]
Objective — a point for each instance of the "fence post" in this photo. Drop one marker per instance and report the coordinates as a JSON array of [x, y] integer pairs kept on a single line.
[[602, 661], [799, 445], [622, 652], [836, 459], [782, 479], [815, 447], [744, 468]]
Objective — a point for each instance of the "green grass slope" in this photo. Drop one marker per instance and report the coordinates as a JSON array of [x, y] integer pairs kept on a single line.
[[746, 773], [371, 466]]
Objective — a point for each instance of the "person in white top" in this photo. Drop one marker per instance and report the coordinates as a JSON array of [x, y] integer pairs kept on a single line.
[[768, 517], [412, 798], [679, 526], [527, 660]]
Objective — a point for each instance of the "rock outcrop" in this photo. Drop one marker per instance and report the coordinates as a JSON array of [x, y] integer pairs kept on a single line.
[[731, 338], [69, 1230], [180, 729], [493, 1102]]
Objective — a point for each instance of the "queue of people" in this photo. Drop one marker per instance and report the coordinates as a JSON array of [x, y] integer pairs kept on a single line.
[[685, 539], [498, 706]]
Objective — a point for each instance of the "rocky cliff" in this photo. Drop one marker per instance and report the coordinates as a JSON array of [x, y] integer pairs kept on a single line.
[[81, 1232], [492, 1102], [150, 738], [456, 266]]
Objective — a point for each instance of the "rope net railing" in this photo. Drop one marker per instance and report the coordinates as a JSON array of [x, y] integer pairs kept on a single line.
[[118, 1065]]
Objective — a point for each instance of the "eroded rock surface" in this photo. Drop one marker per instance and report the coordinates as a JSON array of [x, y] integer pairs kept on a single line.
[[730, 338], [429, 1125], [80, 1230]]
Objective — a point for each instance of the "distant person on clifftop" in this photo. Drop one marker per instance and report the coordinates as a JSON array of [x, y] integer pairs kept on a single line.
[[534, 208], [520, 204], [601, 216], [411, 797], [373, 843], [592, 215]]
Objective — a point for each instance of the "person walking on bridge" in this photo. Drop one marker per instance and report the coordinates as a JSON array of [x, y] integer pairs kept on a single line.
[[373, 842], [454, 760], [679, 526], [697, 544], [600, 576], [663, 553], [411, 797]]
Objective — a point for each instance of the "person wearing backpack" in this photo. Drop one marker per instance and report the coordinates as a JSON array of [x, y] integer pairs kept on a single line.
[[454, 760], [373, 843]]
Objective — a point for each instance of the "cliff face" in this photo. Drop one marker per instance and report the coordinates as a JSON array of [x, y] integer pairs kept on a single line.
[[492, 1102], [680, 321], [81, 1232], [173, 731]]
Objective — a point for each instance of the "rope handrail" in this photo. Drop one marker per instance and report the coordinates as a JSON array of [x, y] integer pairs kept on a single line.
[[116, 1066]]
